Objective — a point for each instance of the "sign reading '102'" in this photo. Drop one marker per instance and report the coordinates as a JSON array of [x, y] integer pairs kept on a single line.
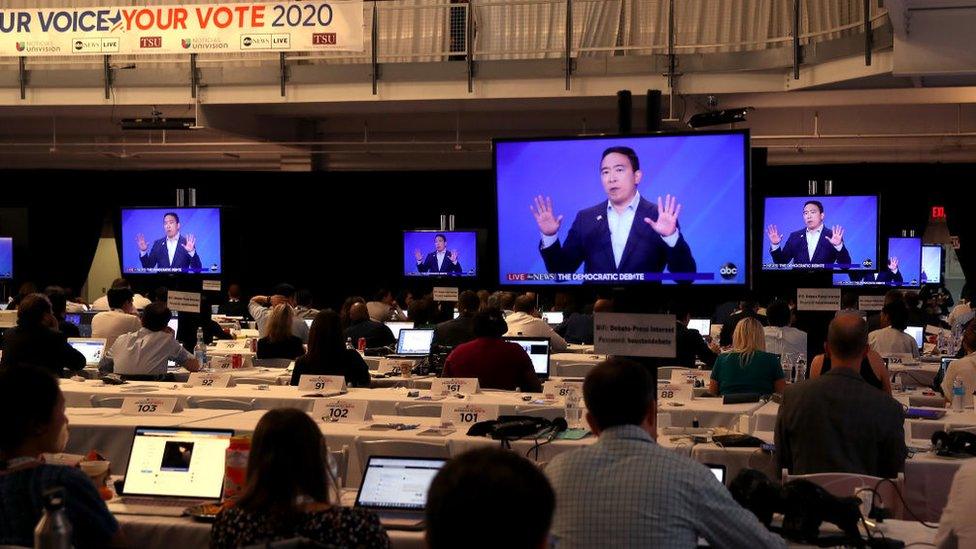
[[218, 28]]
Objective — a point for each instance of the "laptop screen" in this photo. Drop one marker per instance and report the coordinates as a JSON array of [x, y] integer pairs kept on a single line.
[[73, 318], [553, 317], [308, 322], [538, 350], [395, 327], [186, 463], [918, 332], [718, 471], [397, 483], [414, 341], [93, 349], [174, 324], [703, 325]]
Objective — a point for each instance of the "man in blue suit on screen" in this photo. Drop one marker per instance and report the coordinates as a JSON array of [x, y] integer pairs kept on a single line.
[[439, 260], [815, 243], [173, 251], [625, 234]]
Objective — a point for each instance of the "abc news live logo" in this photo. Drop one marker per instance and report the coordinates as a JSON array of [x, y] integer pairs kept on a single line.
[[266, 42], [728, 271]]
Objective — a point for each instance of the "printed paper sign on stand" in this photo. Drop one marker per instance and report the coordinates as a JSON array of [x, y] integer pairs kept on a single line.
[[459, 413], [184, 302], [689, 376], [149, 406], [326, 384], [341, 411], [870, 302], [211, 285], [818, 299], [445, 294], [387, 365], [448, 385], [634, 335], [208, 379], [674, 391], [560, 389]]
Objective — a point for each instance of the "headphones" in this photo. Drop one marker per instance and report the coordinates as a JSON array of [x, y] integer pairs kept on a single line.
[[954, 443]]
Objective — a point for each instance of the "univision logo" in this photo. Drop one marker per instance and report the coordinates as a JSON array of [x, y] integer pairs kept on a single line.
[[729, 271], [21, 46], [186, 43]]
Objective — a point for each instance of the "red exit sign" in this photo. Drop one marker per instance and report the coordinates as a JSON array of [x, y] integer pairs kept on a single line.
[[938, 212]]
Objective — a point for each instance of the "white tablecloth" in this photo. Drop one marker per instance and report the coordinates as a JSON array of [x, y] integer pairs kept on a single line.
[[110, 432], [558, 360], [710, 412]]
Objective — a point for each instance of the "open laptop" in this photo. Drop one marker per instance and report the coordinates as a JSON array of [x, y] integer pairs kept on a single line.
[[395, 488], [918, 332], [413, 343], [174, 324], [171, 469], [538, 351], [92, 347], [395, 327], [553, 318], [703, 325], [717, 470]]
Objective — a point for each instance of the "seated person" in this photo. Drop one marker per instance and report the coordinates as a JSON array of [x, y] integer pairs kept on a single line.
[[891, 337], [748, 308], [489, 484], [964, 368], [377, 334], [625, 490], [279, 341], [957, 525], [384, 307], [498, 364], [689, 344], [286, 494], [121, 319], [344, 310], [234, 306], [327, 354], [260, 310], [747, 368], [524, 321], [102, 304], [781, 338], [143, 355], [460, 330], [36, 341], [186, 332], [59, 304], [34, 423], [873, 368], [837, 423]]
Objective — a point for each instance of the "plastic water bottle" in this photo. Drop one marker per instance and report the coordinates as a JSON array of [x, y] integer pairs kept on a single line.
[[53, 531], [801, 369], [573, 411], [349, 344], [958, 393], [200, 349]]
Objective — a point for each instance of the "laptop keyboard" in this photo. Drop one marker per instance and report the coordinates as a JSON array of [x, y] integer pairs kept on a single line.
[[157, 502]]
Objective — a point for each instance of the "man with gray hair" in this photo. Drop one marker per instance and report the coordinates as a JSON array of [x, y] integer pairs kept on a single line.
[[838, 422]]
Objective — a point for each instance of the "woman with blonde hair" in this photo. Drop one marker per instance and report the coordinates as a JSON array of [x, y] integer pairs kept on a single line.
[[747, 368], [279, 341]]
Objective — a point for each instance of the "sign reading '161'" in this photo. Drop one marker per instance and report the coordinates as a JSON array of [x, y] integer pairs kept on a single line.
[[200, 28]]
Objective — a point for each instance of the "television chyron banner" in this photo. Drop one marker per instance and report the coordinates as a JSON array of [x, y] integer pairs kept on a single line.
[[197, 28]]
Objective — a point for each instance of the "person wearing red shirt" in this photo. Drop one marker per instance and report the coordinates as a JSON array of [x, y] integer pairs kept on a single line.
[[498, 364]]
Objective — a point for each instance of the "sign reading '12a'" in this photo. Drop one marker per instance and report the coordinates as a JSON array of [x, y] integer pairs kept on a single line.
[[227, 27]]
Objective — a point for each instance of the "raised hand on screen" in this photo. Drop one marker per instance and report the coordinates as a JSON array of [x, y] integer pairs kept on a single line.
[[418, 255], [547, 221], [454, 256], [141, 242], [191, 244], [774, 237], [837, 238], [667, 216], [893, 264]]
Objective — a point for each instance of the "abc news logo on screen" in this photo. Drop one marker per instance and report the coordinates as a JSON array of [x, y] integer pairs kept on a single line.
[[728, 271]]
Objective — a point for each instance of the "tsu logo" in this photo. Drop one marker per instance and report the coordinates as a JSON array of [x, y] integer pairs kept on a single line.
[[21, 46], [729, 271], [186, 43]]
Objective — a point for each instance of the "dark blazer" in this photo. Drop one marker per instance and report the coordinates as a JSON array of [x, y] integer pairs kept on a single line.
[[158, 256], [839, 423], [377, 334], [454, 332], [588, 242], [577, 328], [40, 347], [889, 277], [689, 345], [348, 364], [794, 250], [429, 264], [289, 348]]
